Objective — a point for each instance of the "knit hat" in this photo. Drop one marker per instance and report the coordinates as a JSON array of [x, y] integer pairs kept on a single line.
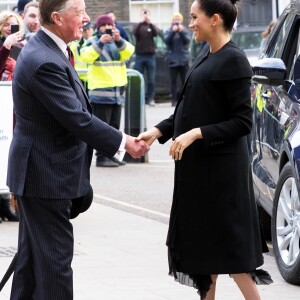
[[21, 5], [104, 20], [178, 15]]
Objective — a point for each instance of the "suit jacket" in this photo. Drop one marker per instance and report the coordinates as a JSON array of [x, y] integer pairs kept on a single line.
[[55, 131]]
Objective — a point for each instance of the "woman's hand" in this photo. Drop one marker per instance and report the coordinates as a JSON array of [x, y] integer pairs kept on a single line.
[[12, 39], [150, 136], [183, 141]]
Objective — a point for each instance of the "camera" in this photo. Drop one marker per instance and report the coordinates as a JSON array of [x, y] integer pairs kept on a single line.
[[14, 28], [176, 23], [108, 31], [145, 12]]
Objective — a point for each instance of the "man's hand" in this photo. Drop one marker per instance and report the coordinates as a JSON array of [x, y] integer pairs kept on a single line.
[[116, 34], [136, 148], [150, 136], [105, 38]]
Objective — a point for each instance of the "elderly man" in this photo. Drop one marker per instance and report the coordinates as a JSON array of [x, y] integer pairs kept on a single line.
[[51, 152]]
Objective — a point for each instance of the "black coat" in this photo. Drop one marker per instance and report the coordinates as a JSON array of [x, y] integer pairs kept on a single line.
[[213, 225]]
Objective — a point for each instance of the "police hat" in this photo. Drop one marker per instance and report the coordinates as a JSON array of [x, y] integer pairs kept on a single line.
[[87, 25], [81, 204]]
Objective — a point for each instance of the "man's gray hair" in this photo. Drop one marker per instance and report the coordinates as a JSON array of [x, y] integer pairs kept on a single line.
[[47, 7]]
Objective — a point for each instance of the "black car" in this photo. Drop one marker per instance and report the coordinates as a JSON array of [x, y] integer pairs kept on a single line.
[[275, 141], [248, 38]]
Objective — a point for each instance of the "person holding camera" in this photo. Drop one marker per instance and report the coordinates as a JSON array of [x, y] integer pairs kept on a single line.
[[11, 34], [145, 58], [106, 54], [177, 39]]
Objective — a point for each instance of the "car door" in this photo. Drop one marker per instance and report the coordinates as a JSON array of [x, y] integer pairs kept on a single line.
[[274, 112]]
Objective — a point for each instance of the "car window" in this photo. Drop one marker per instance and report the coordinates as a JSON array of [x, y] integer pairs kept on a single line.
[[159, 42], [277, 44], [247, 40]]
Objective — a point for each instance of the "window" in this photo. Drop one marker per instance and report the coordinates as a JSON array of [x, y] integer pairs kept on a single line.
[[158, 10], [7, 4], [278, 38]]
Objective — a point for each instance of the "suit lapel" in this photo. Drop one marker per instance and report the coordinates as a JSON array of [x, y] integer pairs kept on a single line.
[[53, 46]]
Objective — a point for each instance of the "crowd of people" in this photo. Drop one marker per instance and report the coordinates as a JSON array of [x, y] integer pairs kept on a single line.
[[100, 57], [62, 114]]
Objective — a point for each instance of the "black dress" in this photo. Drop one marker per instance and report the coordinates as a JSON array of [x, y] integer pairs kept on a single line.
[[213, 226]]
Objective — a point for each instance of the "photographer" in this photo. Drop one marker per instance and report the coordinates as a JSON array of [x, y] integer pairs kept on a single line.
[[106, 54], [9, 22], [177, 39], [145, 58]]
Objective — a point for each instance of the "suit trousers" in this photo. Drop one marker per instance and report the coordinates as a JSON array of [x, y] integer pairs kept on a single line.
[[45, 250]]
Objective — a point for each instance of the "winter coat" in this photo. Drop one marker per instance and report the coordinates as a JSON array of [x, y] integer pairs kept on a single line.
[[106, 75], [178, 47], [213, 225]]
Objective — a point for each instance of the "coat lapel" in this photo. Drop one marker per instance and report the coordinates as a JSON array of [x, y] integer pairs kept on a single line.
[[200, 58]]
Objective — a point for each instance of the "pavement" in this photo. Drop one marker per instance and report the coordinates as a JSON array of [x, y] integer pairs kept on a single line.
[[122, 255]]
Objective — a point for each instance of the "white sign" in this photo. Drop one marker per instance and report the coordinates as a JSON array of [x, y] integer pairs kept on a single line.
[[6, 130]]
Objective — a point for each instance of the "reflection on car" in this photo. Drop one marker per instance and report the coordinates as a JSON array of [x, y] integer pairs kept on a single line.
[[275, 141], [162, 81], [249, 39]]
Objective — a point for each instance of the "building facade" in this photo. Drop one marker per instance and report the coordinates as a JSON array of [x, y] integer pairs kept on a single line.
[[252, 12]]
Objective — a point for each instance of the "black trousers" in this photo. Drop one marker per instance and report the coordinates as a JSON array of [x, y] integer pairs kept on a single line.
[[45, 250], [174, 73], [108, 113]]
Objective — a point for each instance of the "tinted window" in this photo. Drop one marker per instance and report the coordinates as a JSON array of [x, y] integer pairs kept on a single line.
[[278, 40], [247, 40]]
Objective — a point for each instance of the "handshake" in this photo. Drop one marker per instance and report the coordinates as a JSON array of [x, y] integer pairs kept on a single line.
[[140, 145], [137, 147]]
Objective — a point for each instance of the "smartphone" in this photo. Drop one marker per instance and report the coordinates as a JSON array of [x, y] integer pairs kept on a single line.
[[14, 28], [15, 51], [108, 31]]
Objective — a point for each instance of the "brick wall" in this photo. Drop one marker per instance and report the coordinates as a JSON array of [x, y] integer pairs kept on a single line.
[[185, 9], [94, 8]]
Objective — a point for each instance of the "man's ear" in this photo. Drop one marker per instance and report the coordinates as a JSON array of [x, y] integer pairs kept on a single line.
[[56, 18]]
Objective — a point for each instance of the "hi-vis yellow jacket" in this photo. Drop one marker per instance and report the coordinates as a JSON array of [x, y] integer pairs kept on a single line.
[[107, 76], [80, 66]]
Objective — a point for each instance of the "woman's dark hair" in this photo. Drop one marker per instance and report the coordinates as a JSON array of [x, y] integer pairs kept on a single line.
[[227, 9], [47, 7]]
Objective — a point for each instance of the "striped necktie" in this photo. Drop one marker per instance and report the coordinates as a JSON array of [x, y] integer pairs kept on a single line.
[[71, 56]]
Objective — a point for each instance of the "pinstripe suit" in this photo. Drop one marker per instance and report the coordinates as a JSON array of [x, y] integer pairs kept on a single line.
[[49, 163]]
